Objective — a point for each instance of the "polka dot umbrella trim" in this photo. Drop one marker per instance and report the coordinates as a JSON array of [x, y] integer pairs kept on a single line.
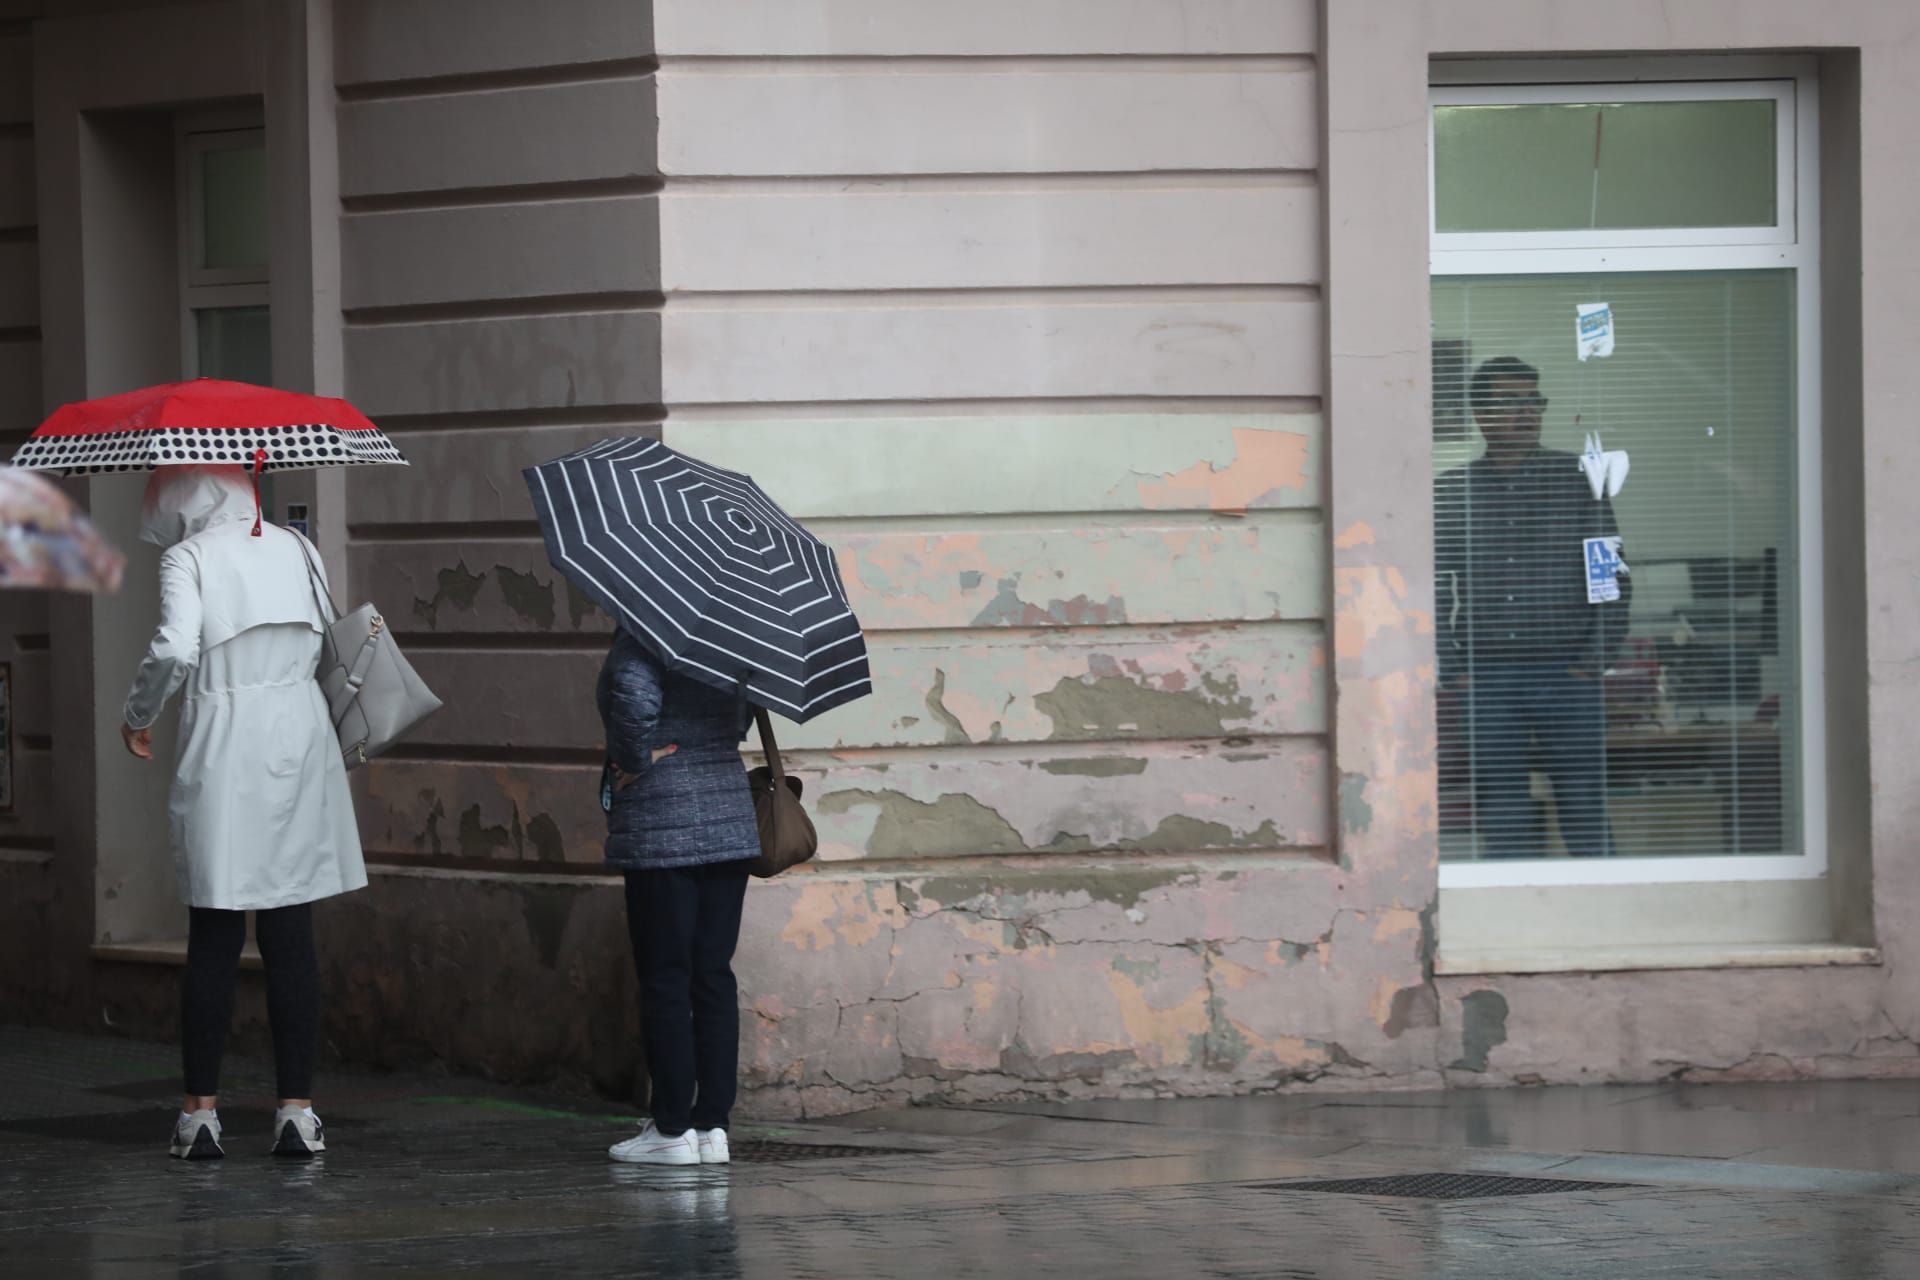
[[699, 564], [206, 421]]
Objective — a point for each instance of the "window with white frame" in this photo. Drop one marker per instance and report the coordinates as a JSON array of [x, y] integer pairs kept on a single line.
[[1625, 347], [226, 330]]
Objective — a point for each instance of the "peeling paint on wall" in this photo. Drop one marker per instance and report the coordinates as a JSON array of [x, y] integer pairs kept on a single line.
[[1263, 466], [1483, 1027], [527, 596], [1117, 705], [456, 587]]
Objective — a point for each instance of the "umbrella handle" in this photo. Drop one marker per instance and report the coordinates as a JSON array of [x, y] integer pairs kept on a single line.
[[259, 512]]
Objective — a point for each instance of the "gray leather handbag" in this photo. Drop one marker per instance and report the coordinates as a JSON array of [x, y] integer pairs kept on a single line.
[[373, 694]]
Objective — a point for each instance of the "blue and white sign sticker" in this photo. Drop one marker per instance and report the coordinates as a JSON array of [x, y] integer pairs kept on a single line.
[[1604, 567], [1594, 330]]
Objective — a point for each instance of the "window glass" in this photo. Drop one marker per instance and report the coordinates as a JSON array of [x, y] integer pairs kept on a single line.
[[235, 343], [1665, 721], [1605, 166], [233, 188]]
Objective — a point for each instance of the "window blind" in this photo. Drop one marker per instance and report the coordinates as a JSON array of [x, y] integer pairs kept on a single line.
[[1658, 409]]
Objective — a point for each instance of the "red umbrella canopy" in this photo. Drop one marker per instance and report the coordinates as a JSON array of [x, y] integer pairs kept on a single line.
[[206, 421]]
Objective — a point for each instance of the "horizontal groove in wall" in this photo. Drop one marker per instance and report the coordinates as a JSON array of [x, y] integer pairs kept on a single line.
[[1008, 865], [997, 296], [830, 527], [1115, 634], [27, 843], [404, 862], [826, 758], [494, 755], [486, 81], [19, 235], [475, 531], [1039, 523], [1079, 749], [523, 193], [501, 309], [33, 643], [21, 333], [35, 742], [1062, 406], [1012, 866], [15, 129], [556, 642], [527, 419], [1042, 63], [992, 183]]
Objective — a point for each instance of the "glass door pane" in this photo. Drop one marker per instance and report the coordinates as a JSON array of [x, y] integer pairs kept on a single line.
[[234, 343]]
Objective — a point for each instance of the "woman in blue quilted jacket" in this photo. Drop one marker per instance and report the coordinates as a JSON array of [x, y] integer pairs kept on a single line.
[[681, 828]]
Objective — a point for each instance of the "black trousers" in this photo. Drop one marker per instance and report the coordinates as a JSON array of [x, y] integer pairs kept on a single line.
[[214, 940], [685, 923]]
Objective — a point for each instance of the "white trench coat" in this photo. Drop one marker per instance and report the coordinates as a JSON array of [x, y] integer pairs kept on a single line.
[[259, 815]]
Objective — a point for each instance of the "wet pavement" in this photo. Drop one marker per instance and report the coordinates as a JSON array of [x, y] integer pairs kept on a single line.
[[437, 1175]]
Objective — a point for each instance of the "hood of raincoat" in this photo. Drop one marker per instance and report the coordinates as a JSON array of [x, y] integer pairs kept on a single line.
[[243, 582], [183, 501]]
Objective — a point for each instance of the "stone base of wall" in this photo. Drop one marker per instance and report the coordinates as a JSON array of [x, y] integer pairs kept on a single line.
[[1015, 981]]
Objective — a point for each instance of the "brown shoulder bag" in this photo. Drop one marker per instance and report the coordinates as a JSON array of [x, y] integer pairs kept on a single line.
[[787, 837]]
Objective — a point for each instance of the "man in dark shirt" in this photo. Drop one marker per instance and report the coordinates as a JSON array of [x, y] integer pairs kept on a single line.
[[1518, 639]]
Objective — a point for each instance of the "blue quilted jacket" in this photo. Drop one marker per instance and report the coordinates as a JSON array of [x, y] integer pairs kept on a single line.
[[693, 807]]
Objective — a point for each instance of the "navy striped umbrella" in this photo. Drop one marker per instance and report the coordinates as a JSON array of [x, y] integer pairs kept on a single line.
[[702, 567]]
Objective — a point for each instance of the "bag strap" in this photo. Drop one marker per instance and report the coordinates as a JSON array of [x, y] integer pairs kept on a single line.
[[321, 596], [769, 747]]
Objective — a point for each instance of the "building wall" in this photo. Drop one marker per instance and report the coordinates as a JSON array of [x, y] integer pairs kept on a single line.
[[27, 833], [1024, 312], [1094, 335], [1053, 385], [1769, 1017]]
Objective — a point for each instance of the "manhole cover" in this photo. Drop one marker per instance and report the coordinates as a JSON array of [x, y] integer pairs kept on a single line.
[[770, 1151], [1444, 1186]]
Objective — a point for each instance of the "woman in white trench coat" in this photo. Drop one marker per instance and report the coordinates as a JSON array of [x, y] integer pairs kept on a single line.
[[260, 818]]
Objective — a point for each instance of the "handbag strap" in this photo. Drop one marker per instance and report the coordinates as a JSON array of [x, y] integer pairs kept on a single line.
[[769, 747], [329, 612]]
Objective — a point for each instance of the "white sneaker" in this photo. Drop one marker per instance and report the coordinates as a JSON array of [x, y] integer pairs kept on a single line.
[[197, 1137], [297, 1134], [713, 1146], [654, 1147]]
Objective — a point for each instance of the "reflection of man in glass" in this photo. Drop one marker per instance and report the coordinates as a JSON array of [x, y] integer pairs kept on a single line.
[[1518, 640]]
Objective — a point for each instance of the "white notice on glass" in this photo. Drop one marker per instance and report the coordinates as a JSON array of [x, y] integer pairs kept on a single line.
[[1594, 326]]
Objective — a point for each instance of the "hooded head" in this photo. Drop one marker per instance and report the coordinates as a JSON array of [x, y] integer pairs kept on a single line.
[[182, 501]]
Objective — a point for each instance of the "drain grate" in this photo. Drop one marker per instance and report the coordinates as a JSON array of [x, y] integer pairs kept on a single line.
[[771, 1151], [1443, 1186]]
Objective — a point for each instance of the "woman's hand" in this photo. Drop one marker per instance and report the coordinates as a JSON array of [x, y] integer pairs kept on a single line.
[[622, 779], [139, 741]]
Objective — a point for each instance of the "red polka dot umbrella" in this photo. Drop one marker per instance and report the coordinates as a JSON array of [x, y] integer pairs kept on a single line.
[[205, 422]]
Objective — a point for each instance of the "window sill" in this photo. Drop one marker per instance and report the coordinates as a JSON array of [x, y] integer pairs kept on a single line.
[[1811, 955], [164, 951]]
